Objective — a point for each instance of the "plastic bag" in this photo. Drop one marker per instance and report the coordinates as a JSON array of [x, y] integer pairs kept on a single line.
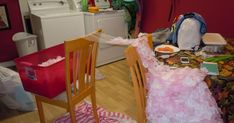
[[160, 36], [12, 93]]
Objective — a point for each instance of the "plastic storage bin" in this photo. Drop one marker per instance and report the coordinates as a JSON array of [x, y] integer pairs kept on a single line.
[[25, 43], [46, 81]]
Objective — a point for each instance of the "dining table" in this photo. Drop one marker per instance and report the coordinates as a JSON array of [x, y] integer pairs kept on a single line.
[[221, 86]]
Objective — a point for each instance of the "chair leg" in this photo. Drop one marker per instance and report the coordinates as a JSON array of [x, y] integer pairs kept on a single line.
[[40, 109], [93, 100], [72, 114]]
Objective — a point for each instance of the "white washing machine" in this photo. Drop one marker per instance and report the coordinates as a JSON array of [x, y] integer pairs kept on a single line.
[[53, 22], [113, 23]]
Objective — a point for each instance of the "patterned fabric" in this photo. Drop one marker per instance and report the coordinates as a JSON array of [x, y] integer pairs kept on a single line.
[[84, 114], [222, 86], [223, 92]]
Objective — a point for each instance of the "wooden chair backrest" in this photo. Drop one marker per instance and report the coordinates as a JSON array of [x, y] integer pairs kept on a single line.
[[139, 81], [80, 60], [150, 40]]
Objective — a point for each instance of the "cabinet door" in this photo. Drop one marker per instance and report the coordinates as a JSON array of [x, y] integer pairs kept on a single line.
[[57, 30]]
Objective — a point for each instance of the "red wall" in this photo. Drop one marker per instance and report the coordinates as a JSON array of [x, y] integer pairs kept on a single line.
[[155, 14], [7, 47], [219, 15]]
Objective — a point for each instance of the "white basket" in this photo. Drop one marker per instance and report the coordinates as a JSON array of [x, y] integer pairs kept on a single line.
[[25, 43]]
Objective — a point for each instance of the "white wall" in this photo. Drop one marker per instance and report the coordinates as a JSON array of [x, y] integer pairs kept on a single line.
[[24, 11], [24, 7]]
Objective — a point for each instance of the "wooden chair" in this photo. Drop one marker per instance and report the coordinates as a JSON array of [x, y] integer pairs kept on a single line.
[[150, 40], [80, 61], [139, 81]]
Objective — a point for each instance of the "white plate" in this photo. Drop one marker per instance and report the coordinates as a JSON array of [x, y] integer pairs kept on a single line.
[[175, 49]]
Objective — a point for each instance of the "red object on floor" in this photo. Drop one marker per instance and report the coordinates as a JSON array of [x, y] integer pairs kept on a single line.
[[46, 81]]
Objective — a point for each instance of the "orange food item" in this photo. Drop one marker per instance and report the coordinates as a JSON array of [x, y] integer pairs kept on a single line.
[[168, 49], [93, 9]]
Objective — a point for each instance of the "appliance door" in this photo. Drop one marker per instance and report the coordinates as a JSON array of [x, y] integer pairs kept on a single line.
[[115, 26], [58, 29]]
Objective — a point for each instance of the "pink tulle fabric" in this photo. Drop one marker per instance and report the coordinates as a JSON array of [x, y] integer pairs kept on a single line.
[[177, 95]]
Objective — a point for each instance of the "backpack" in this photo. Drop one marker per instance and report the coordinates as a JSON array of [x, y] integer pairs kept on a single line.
[[187, 32]]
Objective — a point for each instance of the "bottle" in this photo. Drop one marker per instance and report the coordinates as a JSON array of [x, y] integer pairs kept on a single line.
[[84, 4]]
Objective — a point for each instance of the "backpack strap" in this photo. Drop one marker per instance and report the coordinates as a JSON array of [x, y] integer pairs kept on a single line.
[[173, 36]]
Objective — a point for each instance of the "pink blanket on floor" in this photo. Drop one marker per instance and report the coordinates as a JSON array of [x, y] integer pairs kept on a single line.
[[84, 114]]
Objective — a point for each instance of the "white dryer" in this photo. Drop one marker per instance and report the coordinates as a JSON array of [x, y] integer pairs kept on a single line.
[[112, 23], [53, 22]]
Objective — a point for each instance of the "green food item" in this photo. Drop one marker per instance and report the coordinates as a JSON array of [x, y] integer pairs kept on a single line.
[[219, 58]]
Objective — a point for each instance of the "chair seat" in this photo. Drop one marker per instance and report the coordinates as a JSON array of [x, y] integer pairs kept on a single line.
[[63, 96]]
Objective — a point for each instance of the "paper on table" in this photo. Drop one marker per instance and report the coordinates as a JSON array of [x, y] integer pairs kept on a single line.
[[211, 67]]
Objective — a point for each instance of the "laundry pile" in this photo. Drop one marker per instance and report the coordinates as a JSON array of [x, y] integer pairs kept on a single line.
[[99, 75], [51, 61], [12, 93]]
